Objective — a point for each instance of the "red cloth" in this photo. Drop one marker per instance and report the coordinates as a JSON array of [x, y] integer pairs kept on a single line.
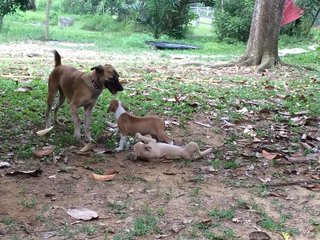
[[290, 13]]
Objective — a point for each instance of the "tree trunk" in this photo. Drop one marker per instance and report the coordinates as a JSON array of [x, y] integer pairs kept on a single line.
[[46, 32], [262, 47], [1, 22], [32, 4]]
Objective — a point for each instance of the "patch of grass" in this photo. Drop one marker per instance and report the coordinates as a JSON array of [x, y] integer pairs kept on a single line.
[[133, 178], [11, 225], [271, 224], [143, 225], [28, 202], [218, 214], [89, 230], [67, 232], [118, 208], [226, 164]]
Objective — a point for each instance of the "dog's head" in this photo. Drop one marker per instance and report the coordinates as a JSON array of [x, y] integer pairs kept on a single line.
[[143, 151], [109, 77], [114, 104]]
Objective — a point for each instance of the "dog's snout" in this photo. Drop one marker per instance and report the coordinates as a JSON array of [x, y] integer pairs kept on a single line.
[[120, 88]]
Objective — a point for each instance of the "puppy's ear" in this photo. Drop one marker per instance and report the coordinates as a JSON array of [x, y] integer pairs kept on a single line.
[[99, 69], [147, 147], [111, 107]]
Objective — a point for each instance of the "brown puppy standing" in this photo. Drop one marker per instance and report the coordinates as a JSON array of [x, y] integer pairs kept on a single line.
[[130, 125], [81, 90]]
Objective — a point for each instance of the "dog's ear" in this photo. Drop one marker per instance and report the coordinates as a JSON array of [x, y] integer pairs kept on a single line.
[[147, 147], [99, 69], [111, 107]]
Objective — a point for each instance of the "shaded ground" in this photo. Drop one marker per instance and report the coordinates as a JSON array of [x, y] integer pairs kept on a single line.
[[218, 197]]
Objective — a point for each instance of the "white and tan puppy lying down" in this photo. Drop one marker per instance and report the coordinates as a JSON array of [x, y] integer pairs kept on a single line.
[[129, 124], [149, 149]]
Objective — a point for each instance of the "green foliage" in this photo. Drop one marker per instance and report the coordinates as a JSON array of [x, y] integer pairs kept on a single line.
[[77, 6], [170, 17], [103, 23], [10, 6], [233, 19], [157, 12], [311, 11]]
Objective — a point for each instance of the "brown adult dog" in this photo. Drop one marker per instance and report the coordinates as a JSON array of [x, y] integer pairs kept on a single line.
[[150, 149], [81, 90], [130, 125]]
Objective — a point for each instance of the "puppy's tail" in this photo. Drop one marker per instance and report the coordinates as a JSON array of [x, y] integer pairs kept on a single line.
[[57, 58], [209, 150]]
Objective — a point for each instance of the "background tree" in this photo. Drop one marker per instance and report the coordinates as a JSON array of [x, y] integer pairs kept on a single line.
[[10, 6], [311, 12], [262, 46], [46, 31], [232, 19]]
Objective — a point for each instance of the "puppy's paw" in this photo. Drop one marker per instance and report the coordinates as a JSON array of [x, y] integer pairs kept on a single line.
[[118, 149], [132, 157], [138, 135]]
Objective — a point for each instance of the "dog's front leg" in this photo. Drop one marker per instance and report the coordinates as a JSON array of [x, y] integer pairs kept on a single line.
[[87, 122], [76, 120], [121, 143]]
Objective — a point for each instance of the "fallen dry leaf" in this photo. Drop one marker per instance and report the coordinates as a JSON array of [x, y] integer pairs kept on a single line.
[[286, 236], [98, 177], [101, 150], [268, 155], [4, 164], [45, 151], [206, 222], [313, 187], [82, 213], [24, 89], [110, 171], [44, 131], [87, 147], [31, 173], [258, 235]]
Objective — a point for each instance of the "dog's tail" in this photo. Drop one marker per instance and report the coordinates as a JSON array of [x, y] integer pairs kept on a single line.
[[209, 150], [57, 58]]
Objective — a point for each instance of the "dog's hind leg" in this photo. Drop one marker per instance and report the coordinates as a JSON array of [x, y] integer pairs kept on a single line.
[[52, 92], [76, 120], [62, 98], [87, 121]]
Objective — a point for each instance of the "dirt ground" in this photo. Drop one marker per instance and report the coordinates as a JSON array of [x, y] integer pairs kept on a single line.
[[179, 193]]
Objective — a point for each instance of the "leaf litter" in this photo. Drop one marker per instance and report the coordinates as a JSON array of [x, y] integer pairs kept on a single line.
[[260, 147]]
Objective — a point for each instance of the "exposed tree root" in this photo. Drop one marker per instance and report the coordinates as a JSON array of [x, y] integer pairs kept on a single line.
[[297, 66], [284, 184], [266, 63]]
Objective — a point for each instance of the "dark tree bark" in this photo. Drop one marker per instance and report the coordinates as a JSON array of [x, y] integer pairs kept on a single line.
[[262, 47], [32, 5], [46, 31], [1, 22]]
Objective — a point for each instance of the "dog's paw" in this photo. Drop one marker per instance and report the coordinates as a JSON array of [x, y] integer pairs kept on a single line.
[[132, 157], [138, 135], [119, 149]]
